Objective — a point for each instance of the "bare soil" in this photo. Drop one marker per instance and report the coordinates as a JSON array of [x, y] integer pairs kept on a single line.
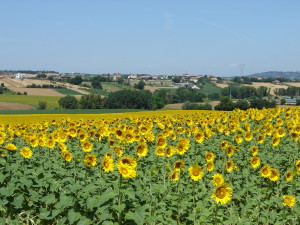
[[14, 106]]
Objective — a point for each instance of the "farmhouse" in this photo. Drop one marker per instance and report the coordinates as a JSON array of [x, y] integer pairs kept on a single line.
[[20, 76]]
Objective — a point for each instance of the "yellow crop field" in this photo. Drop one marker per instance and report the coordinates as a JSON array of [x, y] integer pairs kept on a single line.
[[162, 167]]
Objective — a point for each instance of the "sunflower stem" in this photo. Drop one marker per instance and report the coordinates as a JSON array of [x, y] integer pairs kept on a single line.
[[194, 205], [120, 199]]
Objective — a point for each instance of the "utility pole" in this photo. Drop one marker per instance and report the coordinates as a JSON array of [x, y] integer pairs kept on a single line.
[[242, 66]]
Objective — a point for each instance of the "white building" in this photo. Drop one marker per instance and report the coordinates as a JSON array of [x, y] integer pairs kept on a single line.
[[19, 76]]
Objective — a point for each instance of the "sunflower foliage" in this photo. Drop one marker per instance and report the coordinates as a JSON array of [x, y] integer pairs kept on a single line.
[[183, 167]]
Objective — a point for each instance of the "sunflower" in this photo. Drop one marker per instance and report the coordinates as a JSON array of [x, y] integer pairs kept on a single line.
[[87, 146], [62, 146], [288, 200], [210, 166], [209, 156], [26, 152], [274, 176], [107, 164], [222, 194], [128, 160], [218, 179], [159, 151], [34, 142], [289, 175], [255, 161], [126, 171], [248, 136], [294, 136], [280, 132], [162, 142], [230, 150], [51, 143], [179, 164], [297, 165], [11, 147], [174, 176], [196, 172], [275, 141], [229, 166], [66, 155], [260, 138], [224, 144], [238, 138], [265, 171], [90, 160], [118, 150], [170, 150], [254, 150], [142, 149], [199, 137]]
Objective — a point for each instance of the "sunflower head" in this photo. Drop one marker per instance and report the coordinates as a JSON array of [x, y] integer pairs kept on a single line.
[[196, 172], [289, 175], [107, 164], [90, 160], [274, 175], [126, 171], [179, 164], [255, 161], [210, 166], [174, 176], [265, 171], [209, 156], [26, 152], [222, 194], [288, 200], [229, 166], [218, 179]]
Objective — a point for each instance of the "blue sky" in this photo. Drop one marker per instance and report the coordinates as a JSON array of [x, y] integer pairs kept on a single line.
[[153, 37]]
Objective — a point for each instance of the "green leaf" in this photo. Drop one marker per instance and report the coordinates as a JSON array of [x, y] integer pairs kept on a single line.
[[65, 201], [73, 216], [44, 213], [49, 199], [119, 208], [84, 221], [18, 201], [8, 191], [106, 196]]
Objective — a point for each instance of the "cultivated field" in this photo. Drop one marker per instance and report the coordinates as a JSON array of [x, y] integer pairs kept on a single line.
[[163, 167], [19, 85]]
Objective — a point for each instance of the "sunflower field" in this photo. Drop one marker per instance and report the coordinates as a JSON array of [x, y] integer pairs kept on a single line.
[[166, 167]]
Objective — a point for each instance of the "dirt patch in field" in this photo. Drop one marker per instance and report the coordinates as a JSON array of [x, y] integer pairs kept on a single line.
[[37, 91], [221, 85], [152, 89], [14, 106], [179, 105], [268, 85]]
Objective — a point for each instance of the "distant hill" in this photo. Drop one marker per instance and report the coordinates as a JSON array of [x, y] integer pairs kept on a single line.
[[274, 74]]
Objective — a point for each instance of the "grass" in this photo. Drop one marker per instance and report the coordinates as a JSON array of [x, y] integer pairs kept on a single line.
[[68, 92], [68, 111], [210, 88], [52, 101]]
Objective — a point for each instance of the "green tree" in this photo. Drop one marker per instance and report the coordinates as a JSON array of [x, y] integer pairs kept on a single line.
[[242, 104], [157, 102], [140, 85], [91, 101], [129, 99], [68, 102], [225, 104], [96, 83], [76, 80]]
